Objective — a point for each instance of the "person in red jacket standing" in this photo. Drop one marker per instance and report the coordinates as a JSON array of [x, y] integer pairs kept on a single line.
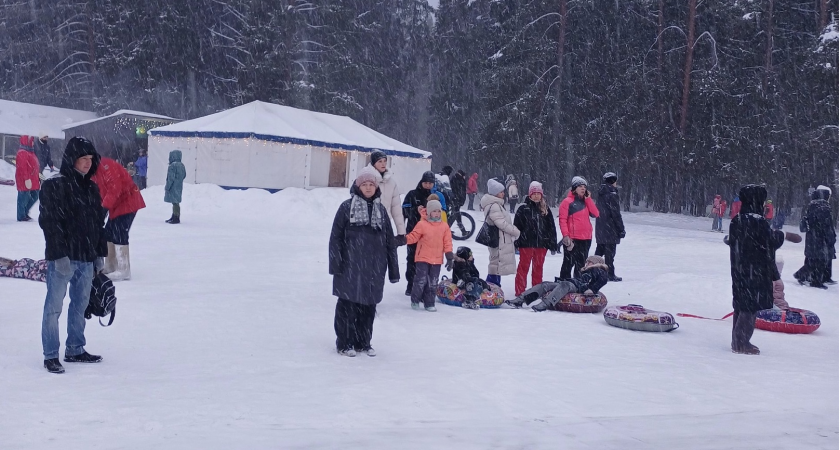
[[736, 207], [26, 178], [472, 189], [769, 212], [575, 211], [122, 198]]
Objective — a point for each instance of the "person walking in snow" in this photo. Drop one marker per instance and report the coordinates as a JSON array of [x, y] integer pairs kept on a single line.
[[512, 193], [502, 258], [72, 218], [575, 211], [434, 241], [362, 247], [44, 153], [752, 250], [735, 208], [717, 214], [390, 192], [592, 278], [609, 226], [411, 211], [472, 189], [122, 198], [820, 238], [174, 185], [142, 167], [27, 178], [538, 236]]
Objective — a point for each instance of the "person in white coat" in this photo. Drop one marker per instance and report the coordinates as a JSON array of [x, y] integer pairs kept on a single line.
[[390, 193], [503, 258]]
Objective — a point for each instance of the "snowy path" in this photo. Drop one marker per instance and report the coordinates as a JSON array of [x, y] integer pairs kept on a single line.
[[223, 339]]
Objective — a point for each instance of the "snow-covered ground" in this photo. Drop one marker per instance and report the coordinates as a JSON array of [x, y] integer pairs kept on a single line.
[[224, 339]]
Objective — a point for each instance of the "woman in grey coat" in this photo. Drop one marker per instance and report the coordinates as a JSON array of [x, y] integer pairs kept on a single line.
[[362, 246], [174, 185]]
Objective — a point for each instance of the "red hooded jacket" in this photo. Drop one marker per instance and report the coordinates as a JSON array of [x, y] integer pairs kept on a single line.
[[735, 209], [120, 195], [472, 184], [574, 217], [26, 166]]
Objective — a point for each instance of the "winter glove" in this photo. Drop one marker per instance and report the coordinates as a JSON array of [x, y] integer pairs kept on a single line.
[[400, 240], [566, 241], [28, 184], [64, 267], [450, 260], [622, 234], [98, 264]]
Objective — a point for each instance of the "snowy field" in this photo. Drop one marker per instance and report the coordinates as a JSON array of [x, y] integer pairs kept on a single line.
[[223, 340]]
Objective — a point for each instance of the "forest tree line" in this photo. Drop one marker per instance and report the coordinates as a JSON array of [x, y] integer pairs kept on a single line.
[[683, 99]]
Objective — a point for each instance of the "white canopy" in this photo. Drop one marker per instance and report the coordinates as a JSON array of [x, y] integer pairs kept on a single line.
[[278, 123], [20, 119], [121, 112]]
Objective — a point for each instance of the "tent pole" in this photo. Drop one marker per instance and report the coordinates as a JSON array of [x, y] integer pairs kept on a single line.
[[307, 170]]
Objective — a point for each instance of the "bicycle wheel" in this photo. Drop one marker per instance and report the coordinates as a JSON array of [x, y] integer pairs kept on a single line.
[[462, 225]]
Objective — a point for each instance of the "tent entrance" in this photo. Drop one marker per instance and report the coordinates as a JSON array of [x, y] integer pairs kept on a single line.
[[338, 169]]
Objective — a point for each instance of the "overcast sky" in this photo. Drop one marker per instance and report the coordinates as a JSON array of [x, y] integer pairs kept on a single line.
[[434, 3]]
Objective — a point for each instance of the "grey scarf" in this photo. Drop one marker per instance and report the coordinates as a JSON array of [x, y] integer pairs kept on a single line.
[[359, 212]]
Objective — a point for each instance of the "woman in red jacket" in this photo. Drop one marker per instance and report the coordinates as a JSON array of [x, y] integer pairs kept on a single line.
[[122, 198], [472, 189], [575, 211], [26, 178]]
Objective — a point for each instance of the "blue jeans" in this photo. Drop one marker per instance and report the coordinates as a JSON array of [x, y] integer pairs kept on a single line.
[[80, 278], [25, 201], [717, 223]]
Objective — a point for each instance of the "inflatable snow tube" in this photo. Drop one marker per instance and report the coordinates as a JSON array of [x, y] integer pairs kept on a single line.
[[636, 317], [582, 303], [788, 320], [25, 268], [450, 294]]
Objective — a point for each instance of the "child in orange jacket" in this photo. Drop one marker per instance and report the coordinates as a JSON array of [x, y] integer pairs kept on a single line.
[[434, 240]]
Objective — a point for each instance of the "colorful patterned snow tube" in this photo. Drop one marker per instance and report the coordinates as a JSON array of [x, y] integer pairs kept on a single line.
[[636, 317], [28, 269], [788, 320], [582, 303], [449, 293]]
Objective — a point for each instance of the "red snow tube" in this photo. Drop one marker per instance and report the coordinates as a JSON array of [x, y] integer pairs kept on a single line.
[[582, 303], [788, 320]]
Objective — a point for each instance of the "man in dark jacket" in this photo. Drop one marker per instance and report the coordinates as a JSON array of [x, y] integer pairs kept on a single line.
[[73, 221], [44, 153], [820, 238], [411, 211], [458, 182], [609, 227], [752, 254]]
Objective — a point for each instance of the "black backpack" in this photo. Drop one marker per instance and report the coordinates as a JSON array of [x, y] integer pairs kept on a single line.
[[102, 299]]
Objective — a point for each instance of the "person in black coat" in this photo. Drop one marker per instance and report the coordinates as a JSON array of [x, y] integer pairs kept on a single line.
[[820, 238], [458, 183], [538, 236], [467, 277], [411, 211], [362, 247], [44, 153], [752, 254], [73, 222], [609, 227]]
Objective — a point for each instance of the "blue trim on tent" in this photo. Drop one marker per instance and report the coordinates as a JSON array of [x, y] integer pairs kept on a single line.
[[285, 140], [238, 188]]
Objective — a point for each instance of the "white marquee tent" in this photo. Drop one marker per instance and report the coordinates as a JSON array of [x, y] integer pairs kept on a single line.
[[263, 145]]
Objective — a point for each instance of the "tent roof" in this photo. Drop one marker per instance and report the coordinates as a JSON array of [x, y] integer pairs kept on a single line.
[[20, 119], [122, 112], [272, 122]]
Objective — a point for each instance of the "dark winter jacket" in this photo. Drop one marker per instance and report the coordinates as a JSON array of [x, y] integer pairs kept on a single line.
[[537, 230], [459, 189], [360, 255], [820, 236], [411, 202], [462, 270], [592, 278], [174, 178], [72, 215], [44, 154], [752, 253], [609, 227]]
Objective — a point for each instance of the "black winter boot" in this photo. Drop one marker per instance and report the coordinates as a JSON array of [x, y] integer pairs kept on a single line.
[[53, 366], [83, 358], [175, 219], [170, 219]]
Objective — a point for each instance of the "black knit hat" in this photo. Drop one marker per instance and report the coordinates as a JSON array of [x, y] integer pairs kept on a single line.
[[428, 177], [464, 252], [610, 178], [376, 156]]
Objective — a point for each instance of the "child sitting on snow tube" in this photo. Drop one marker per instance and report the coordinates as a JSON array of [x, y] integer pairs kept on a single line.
[[592, 277], [466, 276]]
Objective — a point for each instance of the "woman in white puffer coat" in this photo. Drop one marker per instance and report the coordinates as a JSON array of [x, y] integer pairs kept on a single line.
[[502, 259], [389, 193]]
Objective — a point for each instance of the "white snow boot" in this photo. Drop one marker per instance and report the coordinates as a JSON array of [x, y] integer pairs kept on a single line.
[[111, 259], [123, 271]]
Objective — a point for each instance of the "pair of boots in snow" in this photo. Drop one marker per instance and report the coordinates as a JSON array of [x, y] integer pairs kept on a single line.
[[117, 264]]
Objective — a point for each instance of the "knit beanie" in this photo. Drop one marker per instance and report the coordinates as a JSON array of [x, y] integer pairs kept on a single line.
[[578, 181], [824, 188], [494, 188], [376, 156], [610, 178], [368, 174], [535, 188], [428, 177]]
